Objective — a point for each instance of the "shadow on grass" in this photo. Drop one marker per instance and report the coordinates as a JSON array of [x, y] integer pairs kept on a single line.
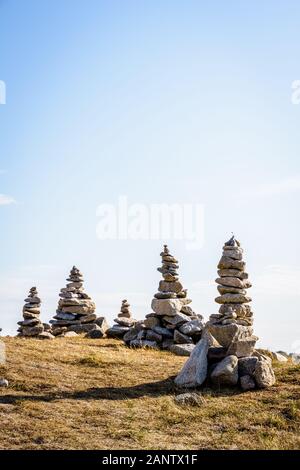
[[150, 389]]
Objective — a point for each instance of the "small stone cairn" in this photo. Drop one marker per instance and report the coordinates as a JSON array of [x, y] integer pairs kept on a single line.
[[172, 325], [226, 354], [123, 323], [76, 311], [32, 326]]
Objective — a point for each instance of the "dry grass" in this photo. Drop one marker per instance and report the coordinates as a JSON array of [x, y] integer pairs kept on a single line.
[[76, 393]]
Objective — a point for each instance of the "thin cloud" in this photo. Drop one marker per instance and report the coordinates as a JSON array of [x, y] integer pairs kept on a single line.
[[5, 200], [286, 186]]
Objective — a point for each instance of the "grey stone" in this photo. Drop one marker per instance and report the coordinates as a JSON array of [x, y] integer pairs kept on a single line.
[[192, 327], [71, 334], [45, 335], [117, 331], [102, 323], [229, 263], [175, 287], [166, 307], [189, 399], [152, 336], [232, 273], [82, 328], [167, 343], [163, 331], [182, 349], [133, 332], [264, 374], [231, 290], [226, 334], [242, 347], [295, 358], [151, 322], [194, 371], [176, 319], [247, 383], [180, 338], [97, 333], [233, 298], [233, 282], [4, 383], [216, 353], [226, 372], [247, 365], [280, 357]]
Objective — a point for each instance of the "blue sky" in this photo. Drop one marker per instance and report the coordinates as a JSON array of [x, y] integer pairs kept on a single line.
[[161, 101]]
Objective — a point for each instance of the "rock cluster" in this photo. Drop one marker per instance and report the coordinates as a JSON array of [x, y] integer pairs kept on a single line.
[[123, 323], [172, 325], [32, 326], [226, 354], [76, 310]]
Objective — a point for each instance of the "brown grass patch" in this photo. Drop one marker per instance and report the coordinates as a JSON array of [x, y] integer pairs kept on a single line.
[[76, 393]]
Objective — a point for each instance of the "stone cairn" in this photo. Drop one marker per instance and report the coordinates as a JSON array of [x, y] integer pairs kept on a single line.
[[172, 325], [123, 323], [32, 326], [226, 354], [76, 310]]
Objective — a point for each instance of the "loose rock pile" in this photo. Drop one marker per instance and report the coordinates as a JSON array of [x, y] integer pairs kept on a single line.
[[172, 325], [225, 356], [76, 310], [32, 325], [123, 323]]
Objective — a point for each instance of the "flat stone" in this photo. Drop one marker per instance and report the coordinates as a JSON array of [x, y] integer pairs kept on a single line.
[[78, 309], [176, 319], [32, 331], [233, 298], [229, 263], [232, 273], [192, 327], [175, 287], [152, 336], [123, 321], [231, 290], [81, 328], [88, 318], [182, 349], [180, 338], [226, 334], [247, 383], [167, 307], [165, 295], [243, 347], [236, 254], [233, 282], [194, 371], [226, 372], [163, 331], [144, 344], [264, 374], [64, 316], [167, 343], [116, 331], [242, 310]]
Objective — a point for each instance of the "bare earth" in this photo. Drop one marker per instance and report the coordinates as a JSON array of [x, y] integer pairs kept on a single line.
[[75, 393]]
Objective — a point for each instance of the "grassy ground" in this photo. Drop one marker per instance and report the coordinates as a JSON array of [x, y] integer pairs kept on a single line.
[[75, 393]]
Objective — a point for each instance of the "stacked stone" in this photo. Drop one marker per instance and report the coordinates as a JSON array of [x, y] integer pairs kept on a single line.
[[123, 323], [226, 354], [76, 310], [172, 325], [32, 326], [232, 285]]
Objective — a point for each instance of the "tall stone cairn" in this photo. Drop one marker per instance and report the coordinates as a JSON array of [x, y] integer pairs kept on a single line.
[[76, 310], [123, 323], [226, 354], [32, 326], [172, 325], [233, 284]]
